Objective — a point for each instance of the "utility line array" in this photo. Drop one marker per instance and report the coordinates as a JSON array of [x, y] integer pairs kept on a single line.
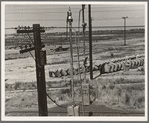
[[63, 7], [74, 19], [86, 27], [49, 12]]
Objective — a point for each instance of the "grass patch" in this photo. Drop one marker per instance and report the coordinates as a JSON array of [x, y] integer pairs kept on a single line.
[[20, 86], [102, 81], [129, 95]]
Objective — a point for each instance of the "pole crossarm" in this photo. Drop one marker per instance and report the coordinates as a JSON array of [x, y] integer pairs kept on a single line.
[[28, 31], [30, 49]]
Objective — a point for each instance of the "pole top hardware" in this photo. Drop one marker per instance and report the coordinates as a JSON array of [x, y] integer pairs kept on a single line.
[[69, 16], [28, 29], [30, 48], [84, 25], [83, 5], [124, 17]]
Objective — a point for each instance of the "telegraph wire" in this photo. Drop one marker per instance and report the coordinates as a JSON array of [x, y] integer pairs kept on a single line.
[[63, 7], [76, 19], [30, 38], [87, 27], [32, 55], [49, 12], [55, 101]]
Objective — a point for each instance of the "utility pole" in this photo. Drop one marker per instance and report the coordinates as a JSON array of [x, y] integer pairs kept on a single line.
[[84, 26], [70, 20], [90, 41], [61, 39], [67, 27], [85, 85], [40, 72], [124, 29], [79, 62]]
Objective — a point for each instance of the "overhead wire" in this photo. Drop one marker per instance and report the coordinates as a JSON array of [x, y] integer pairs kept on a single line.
[[49, 12], [141, 17], [86, 27], [64, 20], [30, 38], [54, 101]]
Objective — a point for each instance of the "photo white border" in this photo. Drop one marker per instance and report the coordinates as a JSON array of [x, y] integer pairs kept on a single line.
[[112, 118]]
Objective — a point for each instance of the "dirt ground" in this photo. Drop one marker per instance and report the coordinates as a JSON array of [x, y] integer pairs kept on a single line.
[[24, 70]]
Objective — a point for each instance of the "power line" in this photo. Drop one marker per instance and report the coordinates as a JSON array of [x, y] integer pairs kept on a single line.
[[45, 8], [54, 101], [49, 12], [75, 19], [54, 6], [87, 27]]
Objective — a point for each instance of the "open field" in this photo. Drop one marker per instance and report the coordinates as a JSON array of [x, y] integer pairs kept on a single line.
[[117, 90]]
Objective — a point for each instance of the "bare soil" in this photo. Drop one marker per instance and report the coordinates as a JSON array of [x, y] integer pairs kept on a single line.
[[21, 68]]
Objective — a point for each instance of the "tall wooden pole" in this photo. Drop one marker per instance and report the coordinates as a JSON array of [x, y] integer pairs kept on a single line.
[[71, 54], [90, 41], [70, 20], [124, 29], [78, 43], [40, 73], [84, 24]]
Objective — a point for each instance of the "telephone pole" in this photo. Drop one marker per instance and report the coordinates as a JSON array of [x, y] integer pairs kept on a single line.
[[79, 61], [90, 41], [124, 29], [40, 73], [61, 39], [66, 28], [40, 60], [70, 20], [84, 26]]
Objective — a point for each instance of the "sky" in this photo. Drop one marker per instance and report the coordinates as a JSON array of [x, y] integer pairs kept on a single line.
[[55, 15]]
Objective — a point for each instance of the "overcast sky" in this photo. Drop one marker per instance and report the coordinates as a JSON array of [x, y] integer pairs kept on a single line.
[[55, 15]]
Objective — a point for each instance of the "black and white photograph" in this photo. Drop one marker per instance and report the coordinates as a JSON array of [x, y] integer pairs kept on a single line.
[[74, 61]]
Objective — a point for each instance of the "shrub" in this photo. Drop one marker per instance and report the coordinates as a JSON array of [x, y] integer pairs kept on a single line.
[[111, 86], [103, 87], [7, 86], [141, 99], [93, 93], [90, 87], [49, 84], [17, 85], [127, 99], [65, 91]]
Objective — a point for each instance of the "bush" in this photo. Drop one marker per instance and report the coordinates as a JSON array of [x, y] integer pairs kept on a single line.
[[7, 86], [93, 93], [17, 85], [129, 95], [65, 91], [127, 99], [111, 86], [141, 99], [103, 87], [49, 84]]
